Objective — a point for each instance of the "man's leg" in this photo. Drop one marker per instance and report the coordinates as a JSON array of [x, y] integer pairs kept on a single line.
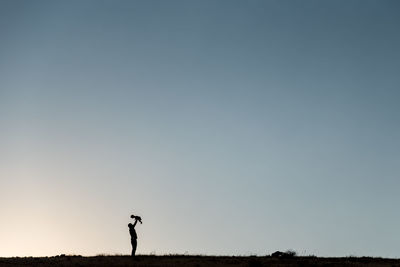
[[134, 245]]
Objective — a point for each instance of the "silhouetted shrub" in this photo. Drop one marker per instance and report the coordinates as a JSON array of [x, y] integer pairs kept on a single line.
[[284, 255], [277, 254]]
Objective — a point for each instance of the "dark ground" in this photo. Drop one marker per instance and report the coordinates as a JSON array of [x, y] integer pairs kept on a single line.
[[196, 261]]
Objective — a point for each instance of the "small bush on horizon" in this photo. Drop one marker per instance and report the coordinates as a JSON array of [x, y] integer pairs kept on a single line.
[[287, 254]]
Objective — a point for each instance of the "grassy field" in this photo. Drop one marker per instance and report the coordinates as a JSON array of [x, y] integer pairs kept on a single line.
[[195, 261]]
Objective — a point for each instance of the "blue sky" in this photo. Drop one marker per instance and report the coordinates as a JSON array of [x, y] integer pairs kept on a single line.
[[231, 127]]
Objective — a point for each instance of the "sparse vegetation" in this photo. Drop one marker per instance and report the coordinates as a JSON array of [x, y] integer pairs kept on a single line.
[[290, 259]]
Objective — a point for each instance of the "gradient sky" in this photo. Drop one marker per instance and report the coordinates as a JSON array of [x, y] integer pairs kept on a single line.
[[231, 127]]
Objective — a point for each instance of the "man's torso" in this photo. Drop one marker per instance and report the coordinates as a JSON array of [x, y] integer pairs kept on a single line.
[[132, 232]]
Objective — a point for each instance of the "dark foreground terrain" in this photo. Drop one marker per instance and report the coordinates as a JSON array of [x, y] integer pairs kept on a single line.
[[196, 261]]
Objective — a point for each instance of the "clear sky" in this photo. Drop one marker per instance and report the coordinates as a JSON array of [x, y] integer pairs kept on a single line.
[[231, 127]]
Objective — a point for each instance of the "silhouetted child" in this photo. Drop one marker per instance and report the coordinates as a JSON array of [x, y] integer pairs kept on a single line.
[[132, 232], [137, 218]]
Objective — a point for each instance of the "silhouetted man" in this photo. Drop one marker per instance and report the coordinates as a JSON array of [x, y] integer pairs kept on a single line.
[[132, 232]]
